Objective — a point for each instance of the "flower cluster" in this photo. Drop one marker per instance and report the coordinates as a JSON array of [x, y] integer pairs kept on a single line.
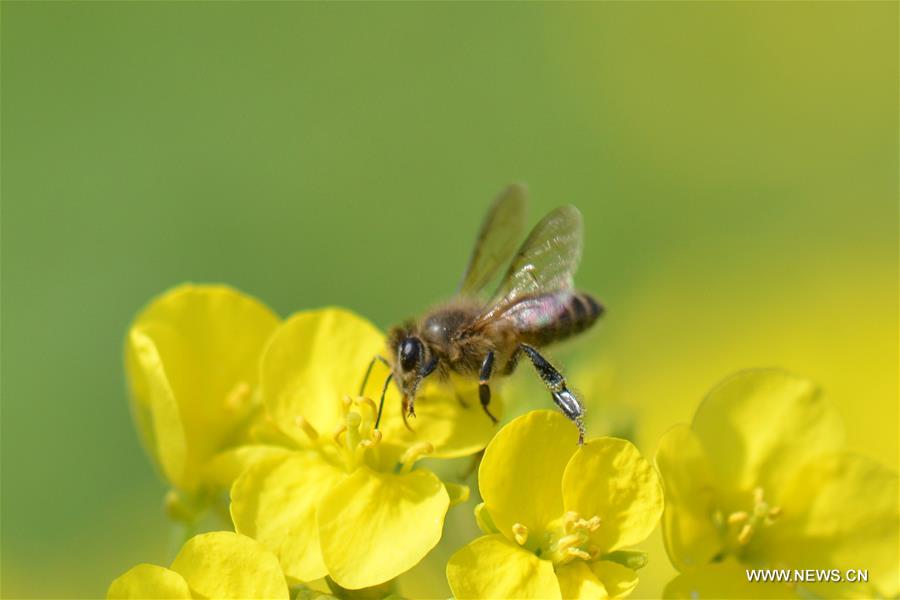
[[760, 479], [558, 517], [326, 494]]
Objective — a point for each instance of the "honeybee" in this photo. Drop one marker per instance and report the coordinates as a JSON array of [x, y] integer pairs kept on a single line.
[[535, 305]]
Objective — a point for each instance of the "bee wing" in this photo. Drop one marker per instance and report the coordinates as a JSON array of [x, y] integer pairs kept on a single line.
[[500, 232], [546, 262]]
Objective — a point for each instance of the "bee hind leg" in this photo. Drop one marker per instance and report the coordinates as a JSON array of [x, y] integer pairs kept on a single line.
[[567, 402], [484, 389]]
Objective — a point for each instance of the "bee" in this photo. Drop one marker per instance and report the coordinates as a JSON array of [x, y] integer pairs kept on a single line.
[[534, 306]]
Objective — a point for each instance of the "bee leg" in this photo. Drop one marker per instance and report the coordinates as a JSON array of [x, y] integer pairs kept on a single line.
[[484, 390], [407, 409], [365, 380], [381, 402], [562, 396]]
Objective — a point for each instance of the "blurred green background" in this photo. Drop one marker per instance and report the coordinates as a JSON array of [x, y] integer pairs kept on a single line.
[[736, 165]]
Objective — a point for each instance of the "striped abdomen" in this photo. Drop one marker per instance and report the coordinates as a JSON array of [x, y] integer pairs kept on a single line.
[[542, 320]]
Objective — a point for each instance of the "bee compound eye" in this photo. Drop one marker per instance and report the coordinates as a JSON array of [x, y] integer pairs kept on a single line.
[[410, 350]]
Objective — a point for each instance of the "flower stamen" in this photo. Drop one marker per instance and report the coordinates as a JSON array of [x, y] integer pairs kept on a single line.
[[310, 431], [578, 553], [738, 517], [745, 534], [414, 453], [520, 533], [336, 436], [750, 522]]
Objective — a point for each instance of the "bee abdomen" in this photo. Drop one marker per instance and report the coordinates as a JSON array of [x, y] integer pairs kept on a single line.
[[575, 314]]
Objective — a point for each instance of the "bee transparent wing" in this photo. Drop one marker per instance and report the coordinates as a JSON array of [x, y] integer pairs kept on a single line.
[[546, 262], [500, 231]]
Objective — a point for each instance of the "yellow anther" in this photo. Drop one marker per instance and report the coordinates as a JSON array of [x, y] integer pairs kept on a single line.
[[307, 427], [346, 403], [414, 453], [592, 524], [775, 512], [362, 401], [745, 534], [520, 533], [568, 541], [738, 517], [569, 519], [337, 434], [578, 553], [237, 396]]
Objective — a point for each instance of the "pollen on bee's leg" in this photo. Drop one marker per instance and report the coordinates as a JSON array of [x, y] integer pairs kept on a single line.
[[310, 431], [414, 453], [520, 533], [237, 397]]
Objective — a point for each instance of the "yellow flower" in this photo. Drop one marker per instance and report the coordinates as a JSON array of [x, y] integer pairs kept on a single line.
[[192, 362], [220, 564], [558, 516], [343, 499], [759, 480]]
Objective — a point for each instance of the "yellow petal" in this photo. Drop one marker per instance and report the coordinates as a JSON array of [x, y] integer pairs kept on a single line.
[[148, 582], [689, 532], [609, 478], [192, 360], [223, 564], [492, 567], [453, 428], [619, 581], [275, 502], [726, 579], [373, 526], [578, 582], [759, 426], [156, 409], [842, 512], [520, 477], [228, 465], [312, 361]]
